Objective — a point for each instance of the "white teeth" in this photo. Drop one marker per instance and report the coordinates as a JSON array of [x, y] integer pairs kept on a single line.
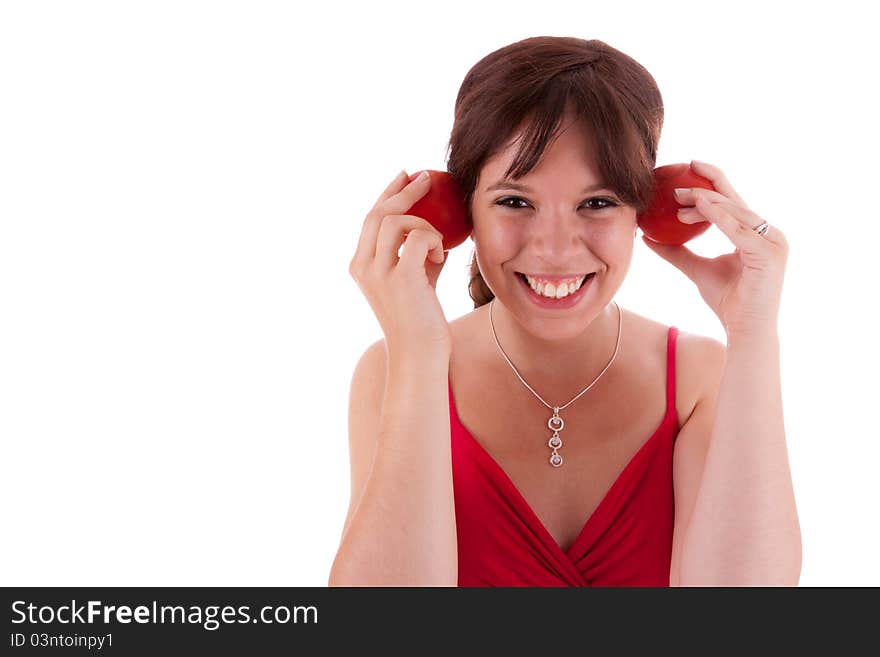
[[551, 291]]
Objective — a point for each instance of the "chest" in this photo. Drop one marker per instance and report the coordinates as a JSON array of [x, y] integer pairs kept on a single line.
[[603, 430]]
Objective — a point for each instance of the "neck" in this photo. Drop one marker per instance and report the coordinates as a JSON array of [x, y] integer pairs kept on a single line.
[[557, 367]]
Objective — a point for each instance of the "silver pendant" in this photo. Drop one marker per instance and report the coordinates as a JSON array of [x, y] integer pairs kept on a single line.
[[556, 425]]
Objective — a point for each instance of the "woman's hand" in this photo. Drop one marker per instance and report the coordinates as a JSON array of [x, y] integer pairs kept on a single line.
[[401, 290], [744, 287]]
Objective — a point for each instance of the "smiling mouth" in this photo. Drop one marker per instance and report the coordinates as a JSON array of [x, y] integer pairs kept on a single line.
[[583, 280], [579, 286]]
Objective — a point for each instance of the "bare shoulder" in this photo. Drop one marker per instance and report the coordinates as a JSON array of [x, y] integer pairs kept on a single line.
[[463, 322], [373, 356], [700, 359], [364, 410], [464, 331], [368, 379], [367, 389], [698, 348]]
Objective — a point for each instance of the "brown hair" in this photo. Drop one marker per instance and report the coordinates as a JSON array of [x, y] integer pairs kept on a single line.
[[538, 79]]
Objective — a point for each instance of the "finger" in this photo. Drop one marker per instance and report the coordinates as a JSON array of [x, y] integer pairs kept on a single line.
[[395, 230], [750, 219], [419, 242], [404, 199], [366, 247], [687, 196], [398, 189], [718, 179], [394, 186], [689, 215], [741, 234], [397, 203], [434, 268]]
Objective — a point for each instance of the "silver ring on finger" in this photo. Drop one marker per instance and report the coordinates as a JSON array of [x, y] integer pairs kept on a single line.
[[762, 229]]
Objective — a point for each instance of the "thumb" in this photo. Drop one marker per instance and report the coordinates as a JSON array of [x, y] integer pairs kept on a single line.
[[680, 256], [433, 269]]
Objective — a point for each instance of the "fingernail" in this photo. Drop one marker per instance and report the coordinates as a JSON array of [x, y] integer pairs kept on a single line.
[[681, 191], [423, 176]]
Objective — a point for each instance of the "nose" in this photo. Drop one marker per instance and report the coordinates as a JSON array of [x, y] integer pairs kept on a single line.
[[557, 236]]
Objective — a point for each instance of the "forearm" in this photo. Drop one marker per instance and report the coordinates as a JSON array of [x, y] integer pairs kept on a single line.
[[744, 529], [403, 532]]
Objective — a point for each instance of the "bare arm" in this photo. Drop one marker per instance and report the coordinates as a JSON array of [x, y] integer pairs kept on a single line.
[[400, 529], [744, 528]]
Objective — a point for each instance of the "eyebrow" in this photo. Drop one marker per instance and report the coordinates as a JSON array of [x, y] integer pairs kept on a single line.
[[506, 184]]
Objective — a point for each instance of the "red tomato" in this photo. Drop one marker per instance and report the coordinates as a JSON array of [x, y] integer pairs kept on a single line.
[[660, 221], [443, 207]]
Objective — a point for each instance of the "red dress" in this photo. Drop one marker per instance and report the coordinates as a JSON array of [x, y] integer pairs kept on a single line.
[[627, 541]]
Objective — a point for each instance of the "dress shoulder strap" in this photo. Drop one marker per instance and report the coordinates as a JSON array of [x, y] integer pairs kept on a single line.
[[671, 339]]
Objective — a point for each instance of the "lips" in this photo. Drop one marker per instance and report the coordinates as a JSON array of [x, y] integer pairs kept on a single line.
[[555, 280], [565, 302]]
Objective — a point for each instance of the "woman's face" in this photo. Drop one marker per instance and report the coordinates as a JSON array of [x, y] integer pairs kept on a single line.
[[553, 227]]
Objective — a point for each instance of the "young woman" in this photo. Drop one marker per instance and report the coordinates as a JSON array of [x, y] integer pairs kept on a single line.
[[551, 437]]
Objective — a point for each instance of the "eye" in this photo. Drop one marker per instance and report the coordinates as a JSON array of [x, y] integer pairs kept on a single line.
[[607, 201], [504, 202]]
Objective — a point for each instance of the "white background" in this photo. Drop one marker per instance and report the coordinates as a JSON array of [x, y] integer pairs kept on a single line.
[[182, 186]]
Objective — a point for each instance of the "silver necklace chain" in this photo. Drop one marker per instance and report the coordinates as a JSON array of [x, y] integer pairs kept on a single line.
[[555, 423]]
